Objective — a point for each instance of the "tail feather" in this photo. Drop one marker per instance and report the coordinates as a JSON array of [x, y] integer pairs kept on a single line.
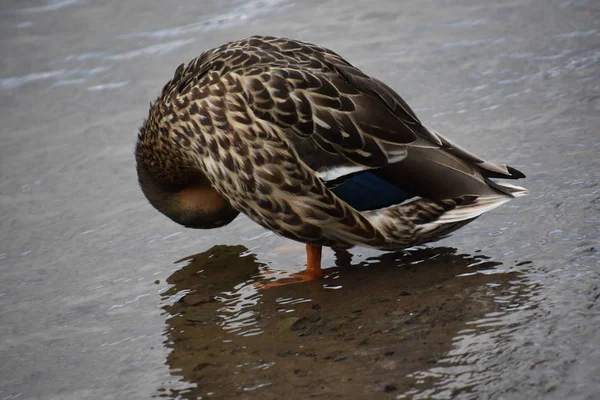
[[448, 187], [472, 210], [508, 189], [515, 191], [487, 169], [468, 211]]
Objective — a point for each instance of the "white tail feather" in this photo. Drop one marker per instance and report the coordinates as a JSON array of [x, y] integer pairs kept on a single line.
[[516, 191], [481, 205], [473, 210]]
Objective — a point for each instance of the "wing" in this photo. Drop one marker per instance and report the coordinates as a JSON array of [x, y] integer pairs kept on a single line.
[[338, 119], [336, 123]]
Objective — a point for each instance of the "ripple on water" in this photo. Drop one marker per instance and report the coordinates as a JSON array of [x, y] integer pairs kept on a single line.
[[236, 16], [53, 5], [61, 77], [238, 315], [472, 361], [428, 314]]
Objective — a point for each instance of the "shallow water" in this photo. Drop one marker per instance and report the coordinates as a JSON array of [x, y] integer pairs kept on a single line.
[[101, 297]]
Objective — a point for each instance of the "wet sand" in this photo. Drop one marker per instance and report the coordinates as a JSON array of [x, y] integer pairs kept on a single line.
[[101, 297]]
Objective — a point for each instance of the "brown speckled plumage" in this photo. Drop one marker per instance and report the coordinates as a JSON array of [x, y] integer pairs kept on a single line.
[[272, 123]]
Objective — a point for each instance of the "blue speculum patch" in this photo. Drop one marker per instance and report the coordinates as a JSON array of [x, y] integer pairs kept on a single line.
[[367, 191]]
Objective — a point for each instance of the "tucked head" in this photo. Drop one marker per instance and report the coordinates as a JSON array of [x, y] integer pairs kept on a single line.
[[191, 202]]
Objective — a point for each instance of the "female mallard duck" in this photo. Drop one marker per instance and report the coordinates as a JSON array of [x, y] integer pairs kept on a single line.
[[306, 145]]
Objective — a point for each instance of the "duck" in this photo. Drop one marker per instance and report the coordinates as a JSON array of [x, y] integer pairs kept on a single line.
[[308, 146]]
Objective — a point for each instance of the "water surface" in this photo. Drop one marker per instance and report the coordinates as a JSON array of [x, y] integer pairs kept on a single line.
[[101, 297]]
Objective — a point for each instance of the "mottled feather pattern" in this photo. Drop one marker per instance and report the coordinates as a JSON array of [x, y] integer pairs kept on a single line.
[[266, 118]]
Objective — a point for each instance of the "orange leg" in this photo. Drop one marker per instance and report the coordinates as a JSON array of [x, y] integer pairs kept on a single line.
[[313, 270], [313, 261]]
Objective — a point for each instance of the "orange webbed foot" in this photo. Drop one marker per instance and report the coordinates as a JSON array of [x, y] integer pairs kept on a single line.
[[313, 270]]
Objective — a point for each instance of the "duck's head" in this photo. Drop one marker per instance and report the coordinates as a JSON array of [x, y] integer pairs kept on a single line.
[[195, 204]]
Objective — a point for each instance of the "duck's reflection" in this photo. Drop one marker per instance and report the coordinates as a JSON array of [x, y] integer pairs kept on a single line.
[[379, 321]]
